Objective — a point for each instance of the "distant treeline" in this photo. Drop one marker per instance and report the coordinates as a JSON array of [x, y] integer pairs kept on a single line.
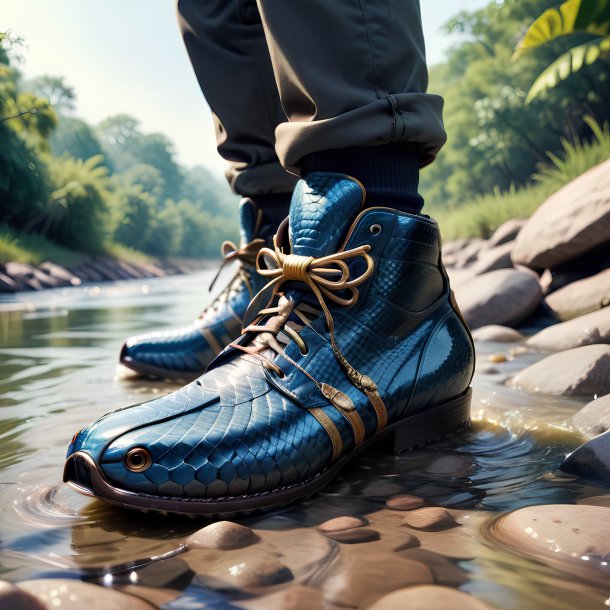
[[505, 113], [87, 187]]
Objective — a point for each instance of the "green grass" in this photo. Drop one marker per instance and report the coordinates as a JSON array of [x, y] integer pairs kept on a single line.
[[32, 249], [482, 216]]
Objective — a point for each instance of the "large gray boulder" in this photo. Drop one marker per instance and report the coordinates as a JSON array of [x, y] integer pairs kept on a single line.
[[491, 259], [581, 297], [584, 330], [570, 222], [504, 296], [594, 417], [583, 371]]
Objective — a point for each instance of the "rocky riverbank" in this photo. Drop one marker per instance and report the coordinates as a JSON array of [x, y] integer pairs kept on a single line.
[[549, 277], [16, 277]]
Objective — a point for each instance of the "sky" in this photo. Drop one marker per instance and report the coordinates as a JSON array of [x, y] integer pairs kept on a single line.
[[126, 56]]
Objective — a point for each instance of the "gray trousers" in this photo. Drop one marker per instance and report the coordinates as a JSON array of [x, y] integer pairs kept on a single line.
[[286, 78]]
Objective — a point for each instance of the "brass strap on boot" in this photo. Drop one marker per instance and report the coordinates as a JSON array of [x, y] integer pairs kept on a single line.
[[327, 277]]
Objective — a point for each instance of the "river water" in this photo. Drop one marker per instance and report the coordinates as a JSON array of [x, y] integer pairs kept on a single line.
[[58, 351]]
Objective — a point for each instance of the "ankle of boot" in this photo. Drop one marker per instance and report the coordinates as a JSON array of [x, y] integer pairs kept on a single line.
[[389, 173]]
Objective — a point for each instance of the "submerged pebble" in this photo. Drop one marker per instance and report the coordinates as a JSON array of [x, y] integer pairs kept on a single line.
[[78, 595], [222, 535], [430, 519], [429, 597], [14, 598], [342, 523], [405, 502]]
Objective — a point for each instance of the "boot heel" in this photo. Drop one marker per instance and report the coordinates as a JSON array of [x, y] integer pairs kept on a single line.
[[432, 424]]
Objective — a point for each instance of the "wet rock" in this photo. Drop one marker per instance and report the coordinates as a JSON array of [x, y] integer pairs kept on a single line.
[[382, 488], [430, 519], [358, 578], [60, 273], [429, 597], [506, 232], [256, 570], [505, 297], [492, 259], [569, 223], [14, 598], [222, 535], [452, 465], [487, 369], [575, 539], [591, 460], [354, 536], [584, 330], [405, 502], [342, 523], [497, 358], [76, 595], [24, 276], [7, 284], [583, 371], [292, 598], [579, 298], [594, 418], [497, 333]]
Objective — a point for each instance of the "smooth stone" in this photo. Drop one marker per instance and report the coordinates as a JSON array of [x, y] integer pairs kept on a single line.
[[77, 595], [342, 523], [430, 519], [582, 371], [222, 535], [356, 578], [353, 536], [487, 369], [253, 572], [405, 502], [14, 598], [292, 598], [594, 417], [382, 488], [571, 538], [585, 330], [581, 297], [497, 333], [591, 460], [60, 273], [506, 232], [504, 297], [569, 223], [491, 259], [451, 465], [520, 350], [497, 358], [429, 597], [469, 253], [7, 284]]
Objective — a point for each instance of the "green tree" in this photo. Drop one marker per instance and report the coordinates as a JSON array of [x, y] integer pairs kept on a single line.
[[55, 90], [75, 138]]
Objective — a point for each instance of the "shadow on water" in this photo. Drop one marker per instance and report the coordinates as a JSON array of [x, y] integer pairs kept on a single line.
[[57, 373]]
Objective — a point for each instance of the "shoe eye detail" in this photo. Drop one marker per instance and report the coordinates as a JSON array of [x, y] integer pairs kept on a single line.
[[138, 459], [375, 229]]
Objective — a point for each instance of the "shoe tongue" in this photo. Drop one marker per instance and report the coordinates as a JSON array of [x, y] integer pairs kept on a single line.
[[323, 208]]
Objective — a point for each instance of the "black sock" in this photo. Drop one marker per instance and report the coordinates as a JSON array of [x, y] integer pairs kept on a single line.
[[389, 173]]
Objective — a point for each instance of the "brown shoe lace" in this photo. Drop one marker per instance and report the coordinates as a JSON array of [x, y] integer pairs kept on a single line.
[[326, 277]]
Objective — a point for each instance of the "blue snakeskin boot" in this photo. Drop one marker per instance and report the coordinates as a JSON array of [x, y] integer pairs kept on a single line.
[[184, 353], [355, 340]]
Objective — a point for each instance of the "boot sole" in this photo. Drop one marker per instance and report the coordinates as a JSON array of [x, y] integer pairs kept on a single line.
[[82, 474]]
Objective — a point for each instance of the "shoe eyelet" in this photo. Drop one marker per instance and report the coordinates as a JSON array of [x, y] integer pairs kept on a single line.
[[305, 351], [280, 373], [375, 229], [138, 459]]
